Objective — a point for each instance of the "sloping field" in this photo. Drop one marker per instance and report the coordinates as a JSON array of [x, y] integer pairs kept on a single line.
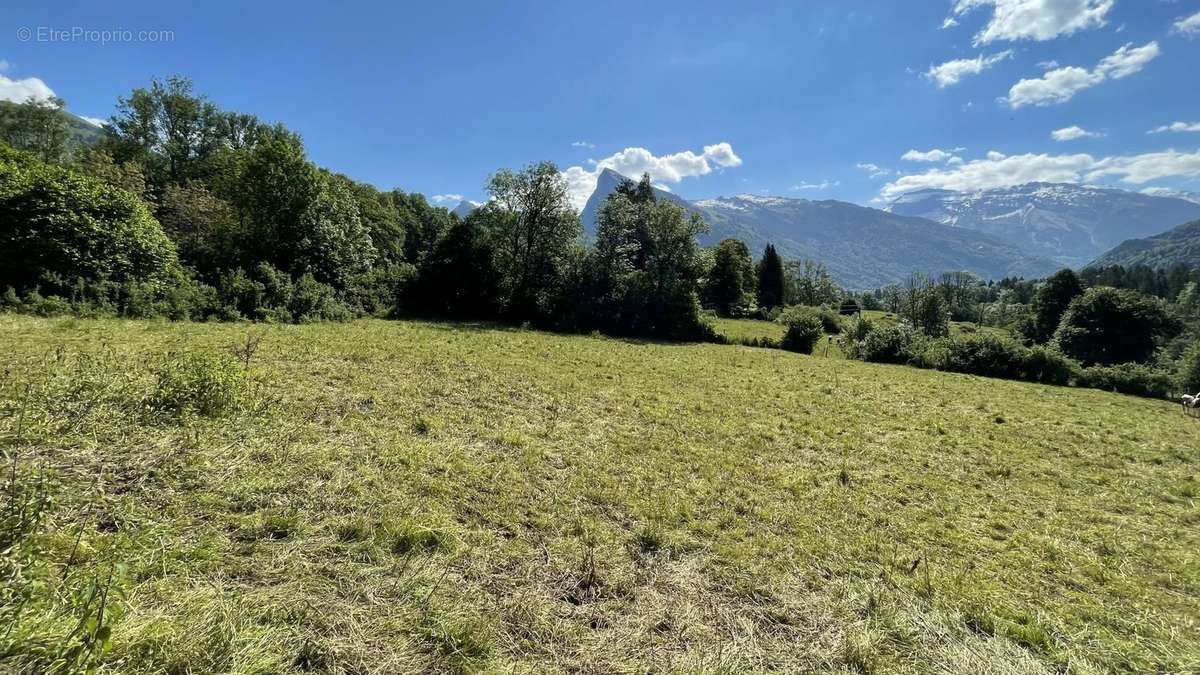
[[390, 496]]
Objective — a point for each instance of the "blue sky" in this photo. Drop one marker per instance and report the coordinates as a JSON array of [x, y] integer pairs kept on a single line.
[[807, 99]]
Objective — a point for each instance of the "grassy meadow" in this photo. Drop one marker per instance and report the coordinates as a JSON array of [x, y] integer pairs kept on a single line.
[[399, 496]]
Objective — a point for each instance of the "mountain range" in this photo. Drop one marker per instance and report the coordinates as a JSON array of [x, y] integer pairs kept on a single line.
[[1070, 224], [1028, 230], [861, 247]]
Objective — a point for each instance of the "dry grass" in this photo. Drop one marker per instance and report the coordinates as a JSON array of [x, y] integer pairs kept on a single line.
[[404, 496]]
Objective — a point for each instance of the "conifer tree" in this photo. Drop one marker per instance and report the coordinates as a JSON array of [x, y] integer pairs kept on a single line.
[[770, 278]]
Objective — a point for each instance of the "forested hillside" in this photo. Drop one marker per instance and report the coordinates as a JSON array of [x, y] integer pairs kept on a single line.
[[1177, 246]]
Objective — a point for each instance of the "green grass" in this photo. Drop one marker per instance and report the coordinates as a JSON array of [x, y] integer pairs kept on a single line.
[[403, 496], [738, 330]]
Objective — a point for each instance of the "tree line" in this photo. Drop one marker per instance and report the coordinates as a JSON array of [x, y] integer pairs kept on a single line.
[[212, 213], [185, 210], [1131, 330]]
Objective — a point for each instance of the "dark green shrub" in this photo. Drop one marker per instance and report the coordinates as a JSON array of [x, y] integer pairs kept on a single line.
[[1049, 366], [190, 300], [890, 344], [803, 329], [241, 295], [1188, 377], [1109, 325], [51, 305], [1128, 378], [375, 292], [831, 321], [985, 354], [59, 222], [276, 286], [10, 301], [992, 355], [315, 301]]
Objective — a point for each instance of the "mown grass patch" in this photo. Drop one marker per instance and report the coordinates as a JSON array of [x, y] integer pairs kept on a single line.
[[459, 498]]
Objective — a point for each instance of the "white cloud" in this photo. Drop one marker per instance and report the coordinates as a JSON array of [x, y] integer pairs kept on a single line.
[[1000, 170], [873, 170], [583, 144], [1176, 127], [1060, 84], [823, 185], [1037, 20], [1048, 65], [1126, 61], [1055, 86], [95, 121], [19, 91], [1149, 166], [671, 168], [1073, 132], [1188, 25], [934, 155], [443, 199], [951, 72]]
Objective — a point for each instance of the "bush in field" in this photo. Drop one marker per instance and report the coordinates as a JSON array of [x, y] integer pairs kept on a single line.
[[1050, 366], [1128, 378], [831, 321], [890, 344], [985, 354], [803, 329], [269, 294], [991, 355], [200, 385]]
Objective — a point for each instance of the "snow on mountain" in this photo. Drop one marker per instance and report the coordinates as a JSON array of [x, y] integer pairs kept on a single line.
[[1177, 194], [1069, 223]]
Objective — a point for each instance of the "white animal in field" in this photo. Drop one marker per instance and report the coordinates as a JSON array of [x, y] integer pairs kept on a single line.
[[1190, 401]]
